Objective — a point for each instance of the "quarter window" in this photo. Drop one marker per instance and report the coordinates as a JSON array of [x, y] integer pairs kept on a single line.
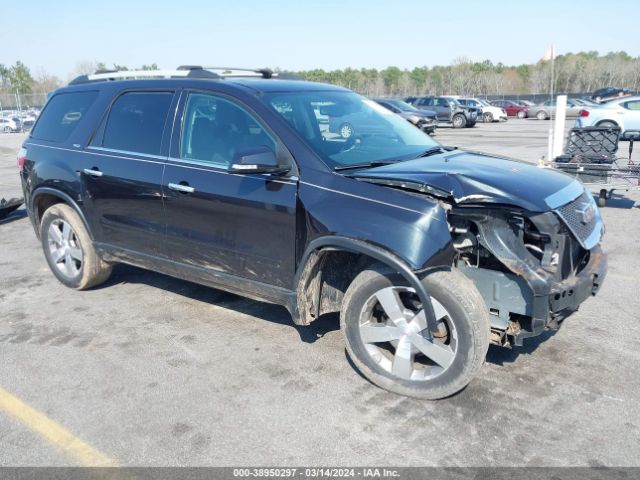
[[635, 105], [62, 115], [214, 129], [136, 122]]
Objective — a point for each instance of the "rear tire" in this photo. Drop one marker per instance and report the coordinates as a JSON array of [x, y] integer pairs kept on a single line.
[[488, 117], [521, 114], [69, 250], [397, 361], [346, 130]]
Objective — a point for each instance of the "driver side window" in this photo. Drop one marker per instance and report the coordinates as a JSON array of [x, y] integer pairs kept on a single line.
[[214, 129]]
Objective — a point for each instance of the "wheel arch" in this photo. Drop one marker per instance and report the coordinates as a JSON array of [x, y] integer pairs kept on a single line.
[[608, 120], [321, 290], [44, 197]]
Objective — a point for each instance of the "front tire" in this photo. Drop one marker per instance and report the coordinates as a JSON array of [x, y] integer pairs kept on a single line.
[[69, 250], [488, 117], [521, 114], [458, 120], [386, 336], [541, 115]]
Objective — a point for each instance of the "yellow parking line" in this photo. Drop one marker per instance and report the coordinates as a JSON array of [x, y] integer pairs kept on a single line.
[[53, 432]]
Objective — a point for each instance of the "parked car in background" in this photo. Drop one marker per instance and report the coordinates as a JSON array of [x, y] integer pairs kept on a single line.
[[28, 120], [512, 108], [448, 109], [525, 103], [349, 124], [546, 110], [9, 125], [489, 113], [609, 93], [425, 120], [584, 102], [623, 113]]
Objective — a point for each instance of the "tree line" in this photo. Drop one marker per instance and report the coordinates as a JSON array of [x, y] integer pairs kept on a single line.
[[573, 73]]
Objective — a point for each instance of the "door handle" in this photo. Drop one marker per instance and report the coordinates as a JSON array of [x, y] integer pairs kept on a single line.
[[94, 172], [178, 187]]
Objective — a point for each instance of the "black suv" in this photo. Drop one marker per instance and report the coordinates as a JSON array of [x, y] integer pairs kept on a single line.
[[429, 253], [448, 109]]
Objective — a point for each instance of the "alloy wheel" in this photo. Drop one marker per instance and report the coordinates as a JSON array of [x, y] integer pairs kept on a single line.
[[346, 131], [393, 329], [64, 249]]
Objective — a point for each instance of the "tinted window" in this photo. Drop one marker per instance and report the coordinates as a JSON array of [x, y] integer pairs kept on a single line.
[[136, 122], [214, 129], [62, 115]]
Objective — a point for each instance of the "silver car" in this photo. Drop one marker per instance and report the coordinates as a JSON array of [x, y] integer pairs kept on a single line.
[[623, 113], [545, 110]]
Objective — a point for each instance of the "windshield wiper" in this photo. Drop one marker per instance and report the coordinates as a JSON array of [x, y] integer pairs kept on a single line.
[[362, 165], [431, 151]]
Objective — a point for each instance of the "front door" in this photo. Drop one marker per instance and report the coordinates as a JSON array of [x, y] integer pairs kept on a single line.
[[220, 223]]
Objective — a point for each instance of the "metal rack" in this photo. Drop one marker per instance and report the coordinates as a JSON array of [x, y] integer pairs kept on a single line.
[[591, 157]]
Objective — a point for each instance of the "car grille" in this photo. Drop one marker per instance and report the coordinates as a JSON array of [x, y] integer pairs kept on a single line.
[[582, 218]]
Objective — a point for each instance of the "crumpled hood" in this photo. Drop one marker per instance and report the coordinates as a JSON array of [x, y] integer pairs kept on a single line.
[[471, 177]]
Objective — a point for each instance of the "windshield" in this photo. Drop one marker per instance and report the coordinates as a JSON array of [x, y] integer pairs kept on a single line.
[[485, 103], [346, 129], [404, 106]]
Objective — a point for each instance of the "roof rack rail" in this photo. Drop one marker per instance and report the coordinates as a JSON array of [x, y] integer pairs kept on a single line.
[[242, 72], [100, 75]]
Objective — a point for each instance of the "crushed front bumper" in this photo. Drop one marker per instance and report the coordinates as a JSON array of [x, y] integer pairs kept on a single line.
[[565, 297], [512, 300]]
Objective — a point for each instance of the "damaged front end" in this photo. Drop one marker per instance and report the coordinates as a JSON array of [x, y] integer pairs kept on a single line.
[[533, 269], [528, 237]]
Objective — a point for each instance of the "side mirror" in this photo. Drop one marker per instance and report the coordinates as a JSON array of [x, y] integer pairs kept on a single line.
[[257, 160]]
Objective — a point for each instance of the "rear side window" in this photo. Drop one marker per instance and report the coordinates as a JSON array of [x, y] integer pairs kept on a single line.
[[62, 115], [136, 122]]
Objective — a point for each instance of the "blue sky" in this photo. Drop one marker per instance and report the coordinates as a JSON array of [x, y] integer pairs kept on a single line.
[[300, 35]]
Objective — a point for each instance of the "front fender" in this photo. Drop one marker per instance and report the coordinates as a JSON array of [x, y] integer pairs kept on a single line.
[[412, 226]]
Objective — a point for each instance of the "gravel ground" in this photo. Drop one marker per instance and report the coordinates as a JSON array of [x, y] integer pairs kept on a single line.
[[150, 370]]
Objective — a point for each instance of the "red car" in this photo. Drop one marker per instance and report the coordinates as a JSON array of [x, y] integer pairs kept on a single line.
[[512, 108]]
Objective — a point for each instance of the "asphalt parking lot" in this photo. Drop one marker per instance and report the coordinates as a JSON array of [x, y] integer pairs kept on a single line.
[[150, 370]]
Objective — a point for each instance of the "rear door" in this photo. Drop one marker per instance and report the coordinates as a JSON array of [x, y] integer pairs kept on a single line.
[[218, 223], [123, 172]]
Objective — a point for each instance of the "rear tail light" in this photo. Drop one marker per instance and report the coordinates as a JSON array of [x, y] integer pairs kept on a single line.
[[22, 156], [583, 113]]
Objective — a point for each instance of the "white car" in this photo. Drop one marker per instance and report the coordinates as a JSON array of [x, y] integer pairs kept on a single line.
[[490, 113], [623, 113], [8, 125]]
